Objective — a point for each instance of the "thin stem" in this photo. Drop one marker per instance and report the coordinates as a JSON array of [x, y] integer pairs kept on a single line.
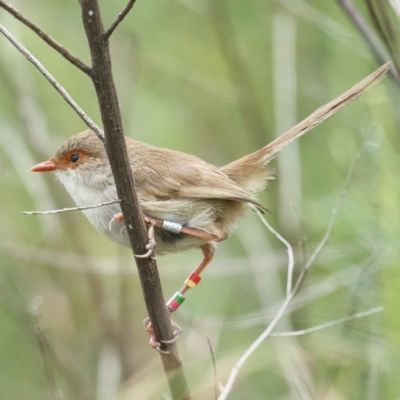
[[214, 367], [289, 251], [380, 27], [235, 370], [70, 209], [48, 39], [267, 332], [53, 82], [327, 324], [379, 50], [118, 20]]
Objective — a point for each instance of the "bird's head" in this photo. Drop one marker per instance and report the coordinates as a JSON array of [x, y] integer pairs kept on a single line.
[[82, 159]]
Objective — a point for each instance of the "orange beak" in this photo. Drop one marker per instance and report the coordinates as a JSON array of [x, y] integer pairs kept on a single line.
[[44, 167]]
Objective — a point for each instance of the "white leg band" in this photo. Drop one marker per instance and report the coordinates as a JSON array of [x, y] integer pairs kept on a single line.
[[171, 226]]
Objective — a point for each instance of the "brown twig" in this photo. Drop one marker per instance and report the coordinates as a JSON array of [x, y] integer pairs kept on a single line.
[[118, 20], [53, 82], [379, 50], [116, 149], [48, 39]]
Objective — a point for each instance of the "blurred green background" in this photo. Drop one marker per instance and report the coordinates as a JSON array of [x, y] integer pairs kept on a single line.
[[218, 79]]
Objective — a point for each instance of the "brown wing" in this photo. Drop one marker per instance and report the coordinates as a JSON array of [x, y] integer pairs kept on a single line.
[[167, 174]]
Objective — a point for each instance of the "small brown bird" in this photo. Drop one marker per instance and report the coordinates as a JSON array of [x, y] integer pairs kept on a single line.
[[186, 202], [204, 202]]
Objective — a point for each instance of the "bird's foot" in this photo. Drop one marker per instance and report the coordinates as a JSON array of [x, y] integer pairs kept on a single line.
[[151, 245], [150, 223], [154, 343], [116, 218]]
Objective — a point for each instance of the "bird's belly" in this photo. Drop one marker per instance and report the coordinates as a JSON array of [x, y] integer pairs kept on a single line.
[[165, 241], [101, 218]]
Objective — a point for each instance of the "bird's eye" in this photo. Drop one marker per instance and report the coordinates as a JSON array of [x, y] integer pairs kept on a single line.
[[74, 158]]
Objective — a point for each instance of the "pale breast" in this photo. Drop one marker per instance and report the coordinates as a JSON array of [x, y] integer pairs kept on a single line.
[[100, 217]]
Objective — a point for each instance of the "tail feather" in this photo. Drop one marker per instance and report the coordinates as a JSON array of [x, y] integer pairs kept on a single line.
[[252, 171]]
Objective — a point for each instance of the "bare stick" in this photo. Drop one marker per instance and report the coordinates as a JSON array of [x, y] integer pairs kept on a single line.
[[378, 48], [214, 367], [289, 250], [48, 39], [327, 324], [118, 20], [70, 209], [267, 332], [53, 82], [103, 82]]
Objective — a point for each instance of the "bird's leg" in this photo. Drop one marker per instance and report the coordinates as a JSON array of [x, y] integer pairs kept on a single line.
[[174, 227], [193, 279], [191, 282], [175, 302], [151, 223]]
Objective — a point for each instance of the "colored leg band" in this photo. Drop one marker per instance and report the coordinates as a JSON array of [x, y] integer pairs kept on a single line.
[[193, 280], [175, 302]]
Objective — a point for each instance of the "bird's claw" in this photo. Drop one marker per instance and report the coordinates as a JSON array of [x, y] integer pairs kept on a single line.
[[116, 218], [154, 343], [177, 332], [151, 245]]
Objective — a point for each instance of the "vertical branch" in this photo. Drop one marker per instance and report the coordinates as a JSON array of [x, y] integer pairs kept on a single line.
[[116, 149]]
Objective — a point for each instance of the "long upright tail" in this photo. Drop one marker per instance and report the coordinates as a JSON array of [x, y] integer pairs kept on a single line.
[[251, 171]]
